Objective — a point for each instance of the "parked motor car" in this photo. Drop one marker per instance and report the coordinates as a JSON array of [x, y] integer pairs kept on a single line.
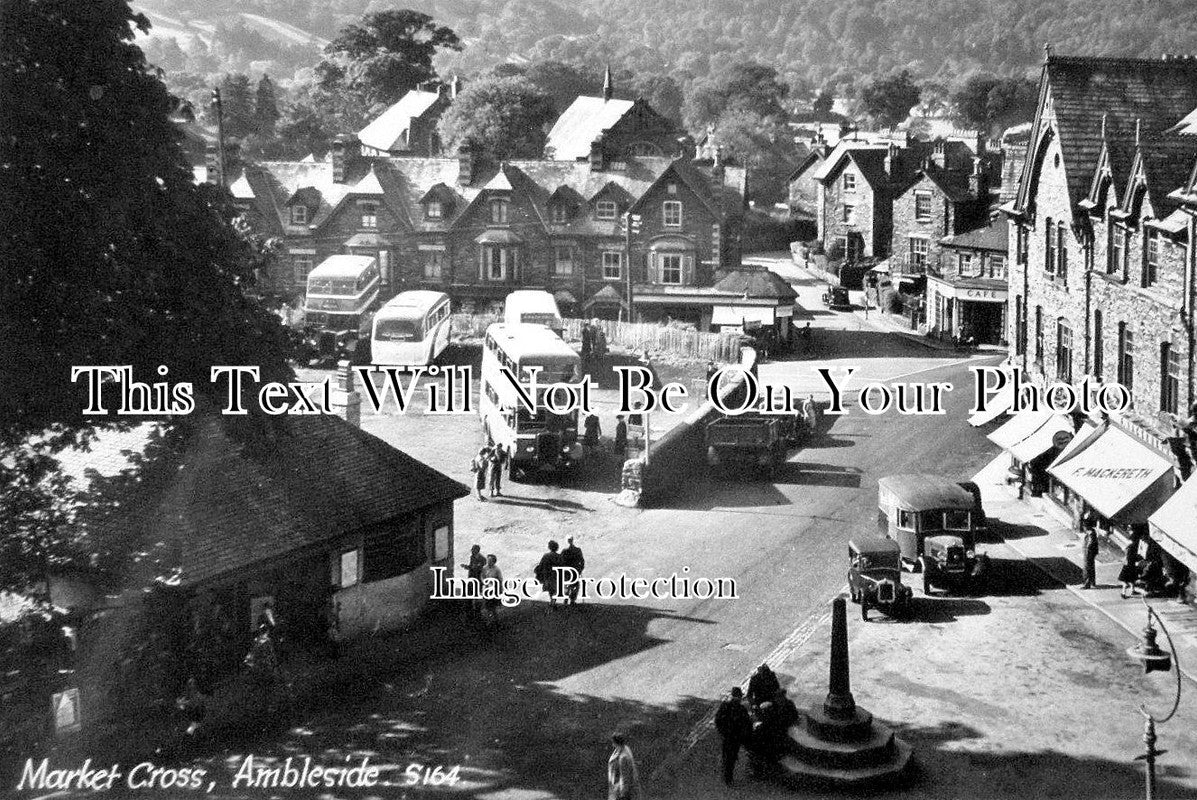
[[934, 521], [836, 297], [875, 577]]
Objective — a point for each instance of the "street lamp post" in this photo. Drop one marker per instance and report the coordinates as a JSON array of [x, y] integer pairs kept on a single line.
[[1153, 658]]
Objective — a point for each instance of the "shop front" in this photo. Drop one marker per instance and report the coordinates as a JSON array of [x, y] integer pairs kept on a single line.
[[967, 309], [1174, 526], [1033, 439], [1116, 476]]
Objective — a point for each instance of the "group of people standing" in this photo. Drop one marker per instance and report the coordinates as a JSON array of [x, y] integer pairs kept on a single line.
[[759, 722], [488, 468], [594, 347], [485, 570], [548, 574]]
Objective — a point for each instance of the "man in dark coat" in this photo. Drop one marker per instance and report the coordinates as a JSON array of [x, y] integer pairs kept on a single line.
[[546, 572], [572, 557], [620, 443], [735, 727], [592, 433], [474, 573], [763, 686]]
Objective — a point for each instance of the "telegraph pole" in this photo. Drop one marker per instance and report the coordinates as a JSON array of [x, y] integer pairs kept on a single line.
[[219, 107], [631, 223]]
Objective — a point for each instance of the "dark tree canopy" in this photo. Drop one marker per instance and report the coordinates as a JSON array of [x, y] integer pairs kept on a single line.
[[824, 101], [111, 253], [237, 99], [745, 86], [662, 93], [266, 113], [388, 53], [498, 118], [888, 100], [991, 104]]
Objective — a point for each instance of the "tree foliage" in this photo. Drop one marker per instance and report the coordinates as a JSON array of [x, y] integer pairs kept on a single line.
[[498, 118], [237, 101], [991, 104], [744, 86], [266, 113], [764, 146], [112, 255], [888, 100]]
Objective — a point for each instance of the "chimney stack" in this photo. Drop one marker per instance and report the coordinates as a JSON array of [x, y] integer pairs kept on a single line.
[[454, 87], [598, 159], [212, 163], [466, 164], [939, 154], [345, 401], [685, 147], [608, 85], [346, 152], [978, 186], [891, 159], [981, 147]]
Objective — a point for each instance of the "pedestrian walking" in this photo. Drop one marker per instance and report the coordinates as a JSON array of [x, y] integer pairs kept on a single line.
[[492, 589], [547, 574], [590, 437], [623, 778], [572, 557], [620, 443], [735, 728], [494, 469], [1129, 572], [473, 570], [1091, 543], [479, 467]]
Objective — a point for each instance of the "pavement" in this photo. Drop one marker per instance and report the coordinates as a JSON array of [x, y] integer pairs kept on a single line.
[[1024, 692]]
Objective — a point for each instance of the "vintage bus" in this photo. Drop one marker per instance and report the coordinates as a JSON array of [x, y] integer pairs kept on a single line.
[[534, 439], [533, 306], [342, 293], [412, 329]]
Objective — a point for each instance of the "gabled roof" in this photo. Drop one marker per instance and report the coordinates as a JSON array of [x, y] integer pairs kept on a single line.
[[303, 196], [953, 183], [1153, 94], [439, 191], [498, 183], [846, 150], [390, 130], [612, 191], [369, 184], [582, 123], [1161, 164], [815, 156], [208, 494], [240, 188], [567, 195]]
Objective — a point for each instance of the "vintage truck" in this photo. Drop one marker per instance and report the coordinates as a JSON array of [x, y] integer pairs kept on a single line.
[[747, 440]]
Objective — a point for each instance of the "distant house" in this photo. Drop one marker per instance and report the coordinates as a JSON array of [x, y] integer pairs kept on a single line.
[[803, 188], [614, 130], [409, 126]]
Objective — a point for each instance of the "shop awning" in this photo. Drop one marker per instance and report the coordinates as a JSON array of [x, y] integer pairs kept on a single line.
[[1174, 525], [1119, 476], [1044, 438], [999, 404], [1081, 439], [1019, 427], [738, 315]]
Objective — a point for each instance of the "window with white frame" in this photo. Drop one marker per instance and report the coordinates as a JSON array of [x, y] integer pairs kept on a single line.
[[498, 212], [849, 212], [1151, 260], [560, 213], [369, 212], [671, 267], [671, 211], [997, 266], [440, 543], [919, 248], [347, 568], [606, 209], [563, 259], [498, 263], [299, 215], [922, 206], [434, 264], [1063, 350], [1171, 370], [849, 182], [1116, 258], [612, 264], [966, 265], [435, 209]]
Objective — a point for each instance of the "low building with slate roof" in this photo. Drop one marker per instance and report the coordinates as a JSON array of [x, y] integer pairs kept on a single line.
[[1101, 249], [610, 129]]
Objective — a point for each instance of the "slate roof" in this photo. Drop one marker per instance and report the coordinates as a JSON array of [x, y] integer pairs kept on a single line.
[[1155, 93], [953, 183], [389, 131], [208, 495], [756, 283], [583, 122], [994, 236], [1166, 163]]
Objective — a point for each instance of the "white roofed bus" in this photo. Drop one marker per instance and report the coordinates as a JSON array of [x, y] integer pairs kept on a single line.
[[533, 306], [411, 329]]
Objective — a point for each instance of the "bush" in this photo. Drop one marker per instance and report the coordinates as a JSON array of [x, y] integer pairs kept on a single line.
[[891, 301], [763, 232], [835, 251]]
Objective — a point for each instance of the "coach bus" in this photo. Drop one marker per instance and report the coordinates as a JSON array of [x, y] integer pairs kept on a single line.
[[535, 440], [411, 330], [342, 293], [533, 306]]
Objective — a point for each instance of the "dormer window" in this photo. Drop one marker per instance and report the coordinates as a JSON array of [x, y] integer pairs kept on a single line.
[[606, 209], [498, 212], [560, 214], [299, 215], [369, 215], [435, 209]]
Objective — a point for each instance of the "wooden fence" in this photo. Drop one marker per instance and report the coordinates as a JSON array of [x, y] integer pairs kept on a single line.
[[637, 336]]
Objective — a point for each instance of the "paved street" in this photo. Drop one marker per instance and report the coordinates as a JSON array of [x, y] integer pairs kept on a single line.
[[528, 713]]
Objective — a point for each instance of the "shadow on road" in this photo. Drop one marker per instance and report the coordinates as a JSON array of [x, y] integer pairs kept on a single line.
[[947, 609], [806, 473]]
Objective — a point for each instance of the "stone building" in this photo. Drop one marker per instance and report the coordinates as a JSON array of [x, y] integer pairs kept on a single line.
[[409, 126], [1101, 262], [966, 292], [803, 188], [477, 230], [616, 129]]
